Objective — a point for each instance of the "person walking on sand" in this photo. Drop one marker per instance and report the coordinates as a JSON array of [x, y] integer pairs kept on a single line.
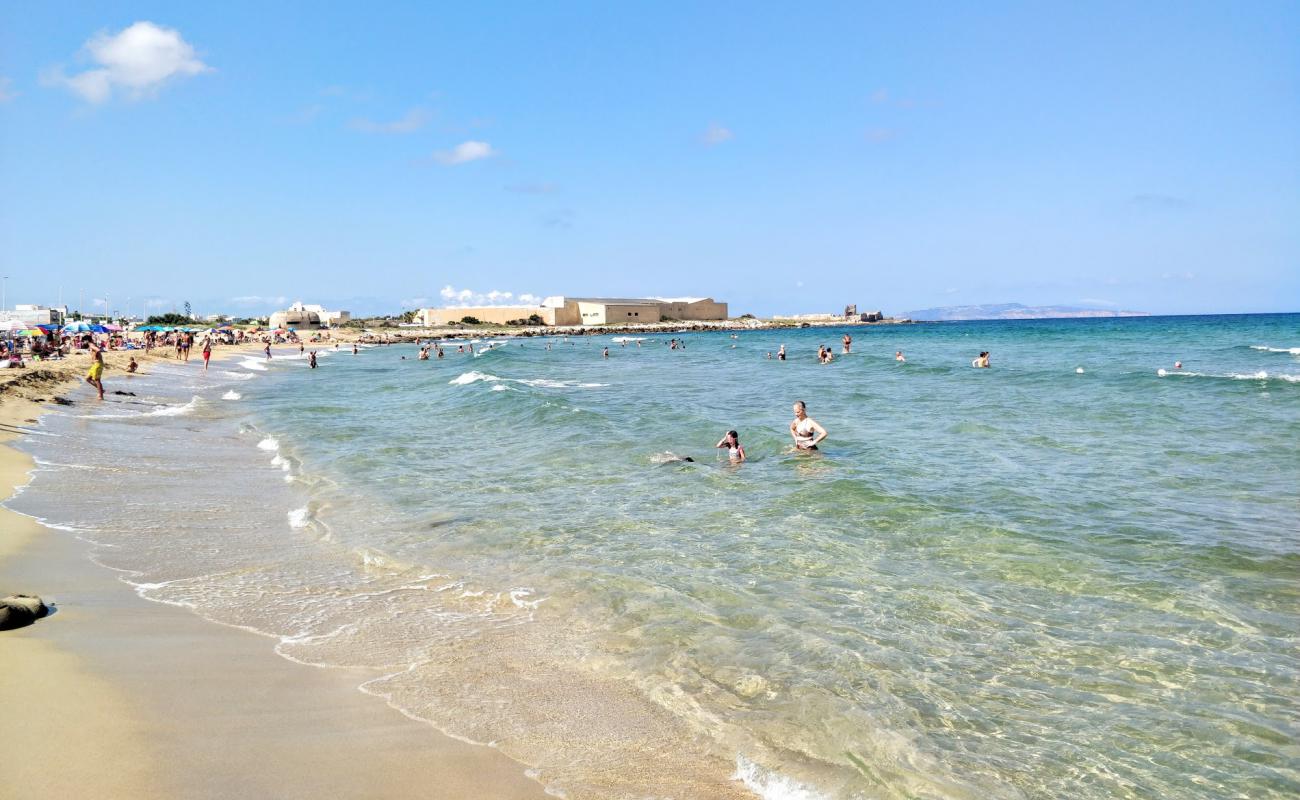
[[805, 430], [848, 344], [94, 376], [207, 353], [731, 441]]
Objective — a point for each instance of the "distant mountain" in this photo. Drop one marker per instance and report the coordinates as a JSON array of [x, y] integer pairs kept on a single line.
[[1012, 311]]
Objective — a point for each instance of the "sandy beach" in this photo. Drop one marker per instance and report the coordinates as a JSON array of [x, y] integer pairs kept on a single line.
[[114, 696]]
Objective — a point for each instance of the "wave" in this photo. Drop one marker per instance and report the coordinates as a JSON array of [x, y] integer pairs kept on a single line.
[[1295, 351], [771, 785], [231, 395], [474, 376], [269, 443], [238, 376], [175, 411], [256, 366], [1261, 375], [300, 517]]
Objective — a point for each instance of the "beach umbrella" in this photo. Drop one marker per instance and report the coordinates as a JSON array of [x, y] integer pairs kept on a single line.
[[49, 328], [78, 327], [12, 325], [112, 328], [30, 332]]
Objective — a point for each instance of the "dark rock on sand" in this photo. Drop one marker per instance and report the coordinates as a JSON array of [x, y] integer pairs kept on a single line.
[[18, 610]]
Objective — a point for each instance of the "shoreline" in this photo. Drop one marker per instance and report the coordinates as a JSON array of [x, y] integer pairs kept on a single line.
[[140, 698]]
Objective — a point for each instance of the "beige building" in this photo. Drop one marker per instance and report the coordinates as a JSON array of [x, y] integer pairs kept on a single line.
[[585, 311], [308, 317]]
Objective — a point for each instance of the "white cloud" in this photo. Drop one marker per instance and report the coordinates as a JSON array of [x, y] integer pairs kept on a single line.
[[137, 60], [464, 153], [1179, 276], [716, 134], [469, 297], [6, 91], [259, 300], [411, 122]]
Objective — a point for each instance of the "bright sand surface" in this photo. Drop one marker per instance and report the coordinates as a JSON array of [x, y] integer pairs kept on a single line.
[[114, 696]]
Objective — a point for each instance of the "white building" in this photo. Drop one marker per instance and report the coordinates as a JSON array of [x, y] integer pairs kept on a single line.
[[308, 315], [33, 315]]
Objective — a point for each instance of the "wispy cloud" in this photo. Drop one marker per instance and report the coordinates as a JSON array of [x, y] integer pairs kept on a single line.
[[346, 92], [305, 115], [138, 61], [157, 302], [6, 90], [880, 96], [410, 122], [1163, 202], [464, 153], [259, 300], [716, 134], [560, 218], [469, 297], [532, 188], [415, 302], [1178, 276], [879, 135]]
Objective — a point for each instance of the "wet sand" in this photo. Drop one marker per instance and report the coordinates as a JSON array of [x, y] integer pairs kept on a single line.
[[115, 696]]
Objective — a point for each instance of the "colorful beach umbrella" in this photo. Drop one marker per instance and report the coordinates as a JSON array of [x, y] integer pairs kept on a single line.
[[78, 327]]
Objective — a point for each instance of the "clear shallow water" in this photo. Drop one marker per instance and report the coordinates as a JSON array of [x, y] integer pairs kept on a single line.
[[1016, 582]]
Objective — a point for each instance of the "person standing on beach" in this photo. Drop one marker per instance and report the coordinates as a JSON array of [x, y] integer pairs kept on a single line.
[[207, 353], [94, 376], [805, 430], [848, 344]]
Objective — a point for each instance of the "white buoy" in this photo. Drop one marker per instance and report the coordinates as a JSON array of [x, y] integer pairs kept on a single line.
[[1078, 370], [1161, 372]]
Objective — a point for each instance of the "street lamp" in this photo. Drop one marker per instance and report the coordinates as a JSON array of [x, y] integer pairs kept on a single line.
[[4, 292]]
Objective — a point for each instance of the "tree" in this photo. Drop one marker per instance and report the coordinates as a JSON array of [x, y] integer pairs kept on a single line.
[[189, 313], [470, 321], [170, 318], [408, 316]]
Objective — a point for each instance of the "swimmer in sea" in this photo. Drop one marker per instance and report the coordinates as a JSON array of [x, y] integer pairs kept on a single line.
[[605, 353], [805, 430], [780, 353], [848, 343], [982, 362], [732, 442], [898, 356]]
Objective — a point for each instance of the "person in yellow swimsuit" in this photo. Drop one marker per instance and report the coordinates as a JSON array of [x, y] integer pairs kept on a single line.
[[96, 370]]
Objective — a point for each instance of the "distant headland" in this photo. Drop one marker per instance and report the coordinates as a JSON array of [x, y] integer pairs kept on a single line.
[[1012, 311]]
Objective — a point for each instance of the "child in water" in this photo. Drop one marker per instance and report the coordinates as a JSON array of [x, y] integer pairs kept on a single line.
[[732, 442]]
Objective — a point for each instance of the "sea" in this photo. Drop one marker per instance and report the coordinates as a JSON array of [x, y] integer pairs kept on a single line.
[[1073, 574]]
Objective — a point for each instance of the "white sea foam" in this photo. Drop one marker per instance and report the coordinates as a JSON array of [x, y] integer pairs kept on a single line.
[[499, 388], [238, 376], [771, 785], [1261, 375], [269, 443], [466, 378], [232, 395], [175, 411], [1295, 351], [547, 383], [249, 363], [299, 517]]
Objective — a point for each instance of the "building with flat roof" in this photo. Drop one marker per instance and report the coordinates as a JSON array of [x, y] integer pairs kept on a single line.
[[584, 311], [33, 315], [308, 317]]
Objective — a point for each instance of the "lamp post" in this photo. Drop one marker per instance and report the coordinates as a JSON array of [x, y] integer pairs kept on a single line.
[[4, 292]]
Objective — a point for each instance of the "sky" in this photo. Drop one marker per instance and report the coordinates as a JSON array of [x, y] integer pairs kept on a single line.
[[786, 158]]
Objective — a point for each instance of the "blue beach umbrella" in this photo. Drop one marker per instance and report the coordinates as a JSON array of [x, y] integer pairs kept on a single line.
[[78, 327]]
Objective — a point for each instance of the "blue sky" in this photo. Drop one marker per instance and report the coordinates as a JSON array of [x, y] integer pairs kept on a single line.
[[785, 158]]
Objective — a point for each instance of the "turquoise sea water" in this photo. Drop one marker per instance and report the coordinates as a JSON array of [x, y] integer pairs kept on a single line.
[[1025, 581]]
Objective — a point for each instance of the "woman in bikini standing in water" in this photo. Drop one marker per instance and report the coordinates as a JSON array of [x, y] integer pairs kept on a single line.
[[806, 431]]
